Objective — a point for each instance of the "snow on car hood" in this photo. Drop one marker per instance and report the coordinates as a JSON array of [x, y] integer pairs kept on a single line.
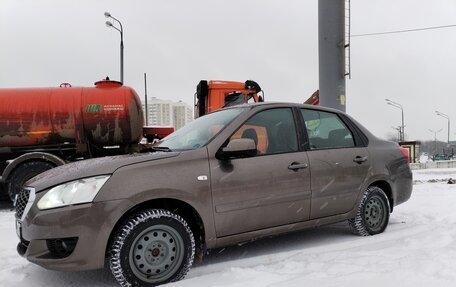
[[91, 167]]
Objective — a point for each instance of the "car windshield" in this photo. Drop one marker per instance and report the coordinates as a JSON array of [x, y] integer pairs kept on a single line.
[[199, 132]]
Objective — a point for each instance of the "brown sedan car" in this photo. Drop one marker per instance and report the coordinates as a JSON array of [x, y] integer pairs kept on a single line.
[[234, 175]]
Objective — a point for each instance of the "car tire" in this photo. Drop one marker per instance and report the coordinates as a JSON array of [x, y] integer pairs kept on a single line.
[[373, 213], [153, 247], [22, 173]]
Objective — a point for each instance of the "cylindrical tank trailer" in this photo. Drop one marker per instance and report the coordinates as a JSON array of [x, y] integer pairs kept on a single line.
[[108, 113]]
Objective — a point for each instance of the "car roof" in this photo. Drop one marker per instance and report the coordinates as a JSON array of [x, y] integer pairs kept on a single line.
[[288, 104], [366, 132]]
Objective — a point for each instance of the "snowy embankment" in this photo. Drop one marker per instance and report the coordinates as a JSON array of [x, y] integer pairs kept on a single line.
[[417, 249], [434, 175]]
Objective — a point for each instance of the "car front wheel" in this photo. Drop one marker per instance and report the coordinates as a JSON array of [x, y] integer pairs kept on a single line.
[[373, 213], [151, 248]]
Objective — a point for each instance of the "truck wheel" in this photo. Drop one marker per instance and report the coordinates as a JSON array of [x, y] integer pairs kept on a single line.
[[3, 194], [24, 172], [151, 248], [373, 213]]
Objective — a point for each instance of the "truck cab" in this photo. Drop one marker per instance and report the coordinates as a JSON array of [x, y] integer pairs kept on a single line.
[[214, 95]]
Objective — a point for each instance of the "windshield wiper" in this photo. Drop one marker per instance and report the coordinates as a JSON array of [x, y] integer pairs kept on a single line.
[[161, 148]]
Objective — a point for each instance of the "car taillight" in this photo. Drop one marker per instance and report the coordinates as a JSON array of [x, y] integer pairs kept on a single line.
[[405, 152]]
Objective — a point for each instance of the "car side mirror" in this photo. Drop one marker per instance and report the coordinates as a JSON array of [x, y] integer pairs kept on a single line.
[[238, 148]]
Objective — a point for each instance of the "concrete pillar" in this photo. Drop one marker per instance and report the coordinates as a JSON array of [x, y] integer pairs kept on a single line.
[[331, 53]]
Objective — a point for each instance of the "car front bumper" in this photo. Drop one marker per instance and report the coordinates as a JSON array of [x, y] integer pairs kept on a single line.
[[90, 225]]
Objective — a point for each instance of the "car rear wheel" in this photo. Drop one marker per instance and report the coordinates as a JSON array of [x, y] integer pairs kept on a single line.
[[151, 248], [373, 213]]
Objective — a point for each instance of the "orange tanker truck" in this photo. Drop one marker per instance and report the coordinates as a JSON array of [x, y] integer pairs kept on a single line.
[[41, 128]]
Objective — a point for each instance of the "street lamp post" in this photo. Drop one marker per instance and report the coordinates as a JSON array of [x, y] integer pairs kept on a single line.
[[448, 118], [109, 24], [399, 106]]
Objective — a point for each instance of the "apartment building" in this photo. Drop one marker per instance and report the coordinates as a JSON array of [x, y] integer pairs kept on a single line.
[[168, 113]]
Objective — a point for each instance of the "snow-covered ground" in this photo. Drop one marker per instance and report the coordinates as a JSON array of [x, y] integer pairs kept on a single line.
[[417, 249]]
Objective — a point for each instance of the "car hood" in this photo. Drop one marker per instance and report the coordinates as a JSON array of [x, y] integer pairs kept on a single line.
[[91, 167]]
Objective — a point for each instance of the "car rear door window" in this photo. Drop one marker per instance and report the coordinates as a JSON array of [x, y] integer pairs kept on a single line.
[[272, 130], [326, 130]]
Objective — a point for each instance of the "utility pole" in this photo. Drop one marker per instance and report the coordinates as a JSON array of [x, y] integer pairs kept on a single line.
[[399, 129], [399, 106], [448, 118], [435, 141], [331, 53]]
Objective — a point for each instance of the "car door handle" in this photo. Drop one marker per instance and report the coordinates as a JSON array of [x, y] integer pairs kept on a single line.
[[295, 166], [360, 159]]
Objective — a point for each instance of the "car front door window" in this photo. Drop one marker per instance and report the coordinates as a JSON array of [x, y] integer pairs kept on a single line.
[[273, 131]]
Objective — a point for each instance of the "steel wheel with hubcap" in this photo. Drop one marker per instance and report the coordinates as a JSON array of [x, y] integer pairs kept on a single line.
[[153, 247], [373, 213], [156, 253]]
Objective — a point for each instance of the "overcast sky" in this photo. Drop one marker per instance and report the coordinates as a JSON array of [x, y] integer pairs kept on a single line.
[[274, 42]]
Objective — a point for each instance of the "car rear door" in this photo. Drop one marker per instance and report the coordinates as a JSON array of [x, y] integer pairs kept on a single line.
[[266, 190], [339, 163]]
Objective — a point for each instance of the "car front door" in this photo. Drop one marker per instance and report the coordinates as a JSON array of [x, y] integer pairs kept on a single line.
[[339, 163], [266, 190]]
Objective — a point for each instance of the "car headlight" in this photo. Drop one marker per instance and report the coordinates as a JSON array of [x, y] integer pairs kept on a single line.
[[74, 192]]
